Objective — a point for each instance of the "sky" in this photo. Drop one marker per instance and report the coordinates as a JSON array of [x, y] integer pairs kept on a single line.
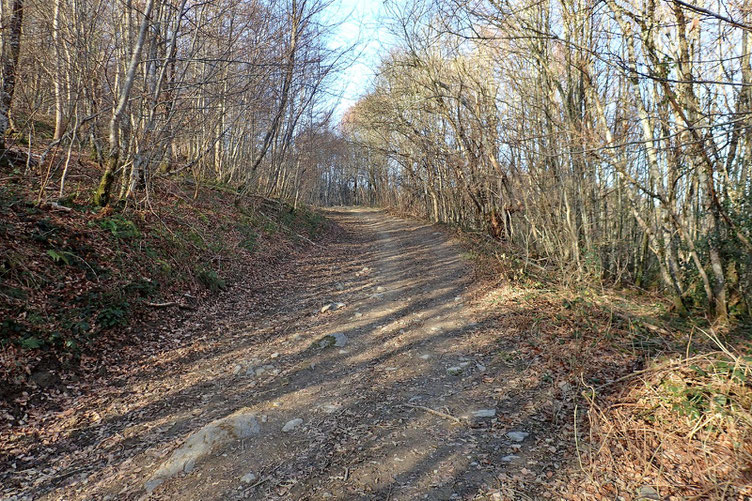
[[362, 23]]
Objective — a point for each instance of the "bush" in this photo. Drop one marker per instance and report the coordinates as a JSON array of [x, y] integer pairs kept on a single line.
[[209, 279], [120, 227]]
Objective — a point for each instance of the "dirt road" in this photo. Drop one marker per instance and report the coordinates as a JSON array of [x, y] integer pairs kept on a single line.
[[389, 394]]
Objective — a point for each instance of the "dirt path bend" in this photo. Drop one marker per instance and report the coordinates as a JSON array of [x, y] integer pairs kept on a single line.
[[396, 404]]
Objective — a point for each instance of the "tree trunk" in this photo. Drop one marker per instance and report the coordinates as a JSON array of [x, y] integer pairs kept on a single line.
[[11, 50], [102, 194]]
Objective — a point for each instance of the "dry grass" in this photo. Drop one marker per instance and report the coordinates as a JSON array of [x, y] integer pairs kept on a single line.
[[682, 427]]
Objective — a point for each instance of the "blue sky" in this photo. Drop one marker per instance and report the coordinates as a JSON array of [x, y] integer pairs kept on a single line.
[[362, 23]]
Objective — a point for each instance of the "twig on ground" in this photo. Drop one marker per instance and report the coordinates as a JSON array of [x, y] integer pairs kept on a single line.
[[437, 413], [168, 304]]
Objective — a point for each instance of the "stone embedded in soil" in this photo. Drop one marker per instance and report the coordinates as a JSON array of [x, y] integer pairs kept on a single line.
[[266, 369], [292, 424], [517, 436], [241, 424], [509, 458], [338, 340], [331, 408], [248, 478], [332, 307], [454, 371]]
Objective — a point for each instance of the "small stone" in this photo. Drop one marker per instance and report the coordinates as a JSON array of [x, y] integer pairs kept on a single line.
[[330, 408], [509, 458], [464, 365], [292, 424], [454, 371], [238, 368], [275, 355], [425, 356], [358, 314], [480, 367], [338, 306], [517, 436], [648, 493], [380, 289], [340, 286], [248, 478], [484, 413], [326, 307], [339, 340], [263, 370]]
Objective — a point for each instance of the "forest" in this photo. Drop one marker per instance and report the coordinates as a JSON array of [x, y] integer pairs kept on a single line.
[[185, 185], [608, 140]]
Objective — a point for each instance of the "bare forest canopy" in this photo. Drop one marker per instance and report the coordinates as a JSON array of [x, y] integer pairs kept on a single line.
[[231, 91], [604, 139], [608, 140]]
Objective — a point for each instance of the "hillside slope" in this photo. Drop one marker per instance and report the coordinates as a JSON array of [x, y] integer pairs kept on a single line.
[[79, 285]]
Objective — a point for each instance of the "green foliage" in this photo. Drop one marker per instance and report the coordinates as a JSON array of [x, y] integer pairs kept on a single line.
[[693, 402], [12, 292], [8, 197], [30, 343], [77, 324], [314, 223], [35, 318], [120, 227], [210, 279], [203, 217], [113, 316], [60, 256], [10, 328], [249, 240], [44, 230], [270, 227], [142, 287]]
